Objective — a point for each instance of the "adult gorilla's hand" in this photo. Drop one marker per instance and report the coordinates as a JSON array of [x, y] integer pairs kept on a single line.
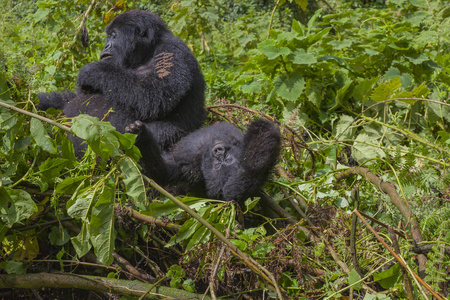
[[88, 78]]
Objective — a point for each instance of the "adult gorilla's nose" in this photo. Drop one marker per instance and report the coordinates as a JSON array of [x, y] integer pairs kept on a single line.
[[106, 51]]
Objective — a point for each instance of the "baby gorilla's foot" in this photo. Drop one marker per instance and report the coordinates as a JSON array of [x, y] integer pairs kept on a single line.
[[135, 127]]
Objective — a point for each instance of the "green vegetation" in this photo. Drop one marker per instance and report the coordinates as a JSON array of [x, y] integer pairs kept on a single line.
[[351, 83]]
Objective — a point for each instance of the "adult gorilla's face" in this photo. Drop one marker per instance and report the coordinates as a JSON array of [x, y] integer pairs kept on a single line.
[[131, 38], [125, 47]]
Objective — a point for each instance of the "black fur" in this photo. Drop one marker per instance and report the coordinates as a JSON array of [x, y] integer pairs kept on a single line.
[[145, 73], [218, 161]]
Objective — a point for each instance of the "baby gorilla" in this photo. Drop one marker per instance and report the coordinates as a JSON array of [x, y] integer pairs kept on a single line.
[[218, 161]]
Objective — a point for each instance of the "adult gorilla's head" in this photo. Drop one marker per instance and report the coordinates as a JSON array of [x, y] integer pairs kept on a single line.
[[131, 38]]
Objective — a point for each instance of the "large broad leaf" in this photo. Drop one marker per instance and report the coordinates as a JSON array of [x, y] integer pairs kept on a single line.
[[303, 3], [15, 206], [343, 128], [385, 89], [51, 169], [100, 136], [101, 227], [81, 242], [41, 137], [363, 89], [354, 277], [300, 57], [82, 206], [342, 93], [70, 184], [186, 230], [269, 49], [134, 183], [439, 110], [364, 148], [387, 279], [290, 88]]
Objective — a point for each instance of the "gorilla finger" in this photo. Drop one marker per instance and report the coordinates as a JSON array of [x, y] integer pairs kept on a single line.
[[134, 127]]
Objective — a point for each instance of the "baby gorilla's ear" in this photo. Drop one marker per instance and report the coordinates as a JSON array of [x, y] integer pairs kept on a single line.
[[261, 146]]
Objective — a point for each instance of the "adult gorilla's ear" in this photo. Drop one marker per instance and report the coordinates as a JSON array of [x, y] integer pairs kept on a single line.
[[138, 31]]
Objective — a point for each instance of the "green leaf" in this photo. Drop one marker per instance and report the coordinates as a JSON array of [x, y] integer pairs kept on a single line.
[[69, 184], [262, 249], [441, 111], [417, 59], [300, 57], [41, 137], [186, 230], [290, 88], [269, 49], [303, 3], [242, 245], [40, 14], [419, 3], [312, 20], [384, 90], [100, 136], [189, 285], [126, 140], [101, 227], [354, 277], [13, 267], [387, 279], [51, 169], [82, 206], [365, 148], [200, 236], [343, 131], [81, 242], [163, 209], [253, 87], [391, 73], [4, 89], [134, 182], [342, 93], [298, 27], [15, 206], [58, 236], [362, 91]]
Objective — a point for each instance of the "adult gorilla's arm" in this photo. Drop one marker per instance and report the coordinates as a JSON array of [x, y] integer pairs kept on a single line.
[[150, 91], [54, 99]]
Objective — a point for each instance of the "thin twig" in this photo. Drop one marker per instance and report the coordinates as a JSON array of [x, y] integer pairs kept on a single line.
[[271, 18], [406, 279], [36, 116], [355, 196]]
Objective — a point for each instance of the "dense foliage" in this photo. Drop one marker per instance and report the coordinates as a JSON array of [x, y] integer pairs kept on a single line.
[[351, 83]]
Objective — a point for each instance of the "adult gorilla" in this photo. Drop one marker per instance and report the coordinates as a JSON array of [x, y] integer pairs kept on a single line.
[[144, 73]]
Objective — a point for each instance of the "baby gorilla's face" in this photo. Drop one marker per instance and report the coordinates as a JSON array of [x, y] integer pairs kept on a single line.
[[220, 163], [223, 155]]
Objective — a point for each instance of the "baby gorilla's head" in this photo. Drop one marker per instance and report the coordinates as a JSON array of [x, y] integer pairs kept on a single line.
[[222, 161]]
